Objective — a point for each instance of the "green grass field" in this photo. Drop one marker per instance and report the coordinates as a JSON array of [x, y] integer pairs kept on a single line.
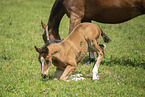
[[122, 72]]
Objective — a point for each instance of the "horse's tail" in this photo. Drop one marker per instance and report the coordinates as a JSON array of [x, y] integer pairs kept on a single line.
[[105, 37]]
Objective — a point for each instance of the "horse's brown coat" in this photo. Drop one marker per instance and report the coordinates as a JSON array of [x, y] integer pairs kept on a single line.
[[104, 11], [72, 50]]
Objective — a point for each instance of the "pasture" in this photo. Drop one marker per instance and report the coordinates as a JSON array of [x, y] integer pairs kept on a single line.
[[122, 71]]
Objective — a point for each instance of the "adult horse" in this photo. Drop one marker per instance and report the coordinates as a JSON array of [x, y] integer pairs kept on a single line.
[[104, 11]]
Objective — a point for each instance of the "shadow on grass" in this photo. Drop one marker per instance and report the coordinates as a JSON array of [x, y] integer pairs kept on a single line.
[[124, 61], [120, 61]]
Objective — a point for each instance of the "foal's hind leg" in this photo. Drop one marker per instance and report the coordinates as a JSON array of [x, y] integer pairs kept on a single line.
[[99, 59]]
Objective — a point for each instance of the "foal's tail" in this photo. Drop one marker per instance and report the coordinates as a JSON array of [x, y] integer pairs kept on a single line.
[[105, 37]]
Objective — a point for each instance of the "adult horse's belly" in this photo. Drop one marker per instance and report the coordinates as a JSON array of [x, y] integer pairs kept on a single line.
[[106, 11]]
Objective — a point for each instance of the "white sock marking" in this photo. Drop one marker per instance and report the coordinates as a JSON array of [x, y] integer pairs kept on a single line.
[[95, 71]]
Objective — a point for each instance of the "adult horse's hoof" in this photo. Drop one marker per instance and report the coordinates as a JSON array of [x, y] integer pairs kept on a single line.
[[89, 61]]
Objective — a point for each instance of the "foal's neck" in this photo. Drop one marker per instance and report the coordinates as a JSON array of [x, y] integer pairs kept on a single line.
[[53, 48]]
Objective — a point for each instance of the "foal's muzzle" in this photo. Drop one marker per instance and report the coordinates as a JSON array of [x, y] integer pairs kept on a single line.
[[44, 75]]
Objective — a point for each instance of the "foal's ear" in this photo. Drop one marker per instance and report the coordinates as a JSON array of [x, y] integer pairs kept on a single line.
[[37, 49], [43, 25]]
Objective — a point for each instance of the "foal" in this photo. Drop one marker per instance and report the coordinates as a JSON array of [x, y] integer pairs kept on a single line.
[[72, 50]]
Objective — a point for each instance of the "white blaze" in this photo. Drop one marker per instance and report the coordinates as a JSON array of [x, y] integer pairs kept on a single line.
[[47, 35], [42, 63]]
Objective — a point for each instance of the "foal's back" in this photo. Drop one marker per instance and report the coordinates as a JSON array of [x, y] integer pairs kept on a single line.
[[84, 31]]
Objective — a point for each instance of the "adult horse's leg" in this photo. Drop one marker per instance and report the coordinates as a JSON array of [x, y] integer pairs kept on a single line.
[[75, 19], [91, 58]]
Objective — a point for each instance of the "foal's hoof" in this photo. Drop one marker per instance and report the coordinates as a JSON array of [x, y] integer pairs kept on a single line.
[[61, 79], [55, 79], [96, 78]]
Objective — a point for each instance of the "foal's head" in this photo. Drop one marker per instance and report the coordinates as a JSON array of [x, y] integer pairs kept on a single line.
[[44, 59]]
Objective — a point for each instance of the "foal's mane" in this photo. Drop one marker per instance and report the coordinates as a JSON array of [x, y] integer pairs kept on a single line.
[[50, 42]]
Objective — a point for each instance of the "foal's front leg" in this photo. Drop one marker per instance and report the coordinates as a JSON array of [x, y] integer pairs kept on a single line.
[[57, 74], [68, 71]]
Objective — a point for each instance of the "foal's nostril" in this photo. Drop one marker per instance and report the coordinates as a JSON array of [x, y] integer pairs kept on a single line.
[[44, 75]]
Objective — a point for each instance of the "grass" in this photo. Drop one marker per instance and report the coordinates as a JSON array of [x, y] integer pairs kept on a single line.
[[122, 71]]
